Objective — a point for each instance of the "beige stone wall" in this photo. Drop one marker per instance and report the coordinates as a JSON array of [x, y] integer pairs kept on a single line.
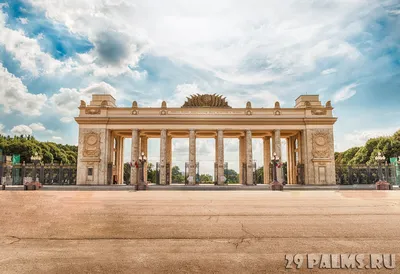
[[93, 153], [319, 156]]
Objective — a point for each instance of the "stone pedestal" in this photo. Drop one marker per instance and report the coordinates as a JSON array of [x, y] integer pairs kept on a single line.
[[382, 185], [276, 186], [141, 186]]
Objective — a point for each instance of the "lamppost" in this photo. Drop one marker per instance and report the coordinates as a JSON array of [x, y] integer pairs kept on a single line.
[[381, 184], [276, 185], [35, 160], [142, 161]]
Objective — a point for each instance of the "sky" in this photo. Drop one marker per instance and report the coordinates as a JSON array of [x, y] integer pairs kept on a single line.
[[55, 53]]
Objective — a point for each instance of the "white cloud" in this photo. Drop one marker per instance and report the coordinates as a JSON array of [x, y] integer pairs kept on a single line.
[[23, 21], [250, 42], [328, 71], [57, 138], [37, 127], [15, 95], [67, 101], [345, 93], [2, 127], [258, 98], [26, 50], [395, 12], [67, 120], [21, 130], [360, 137]]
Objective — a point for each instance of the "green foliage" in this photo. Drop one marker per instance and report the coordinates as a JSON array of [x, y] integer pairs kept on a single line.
[[206, 179], [27, 146], [177, 176], [388, 146], [151, 173], [232, 177]]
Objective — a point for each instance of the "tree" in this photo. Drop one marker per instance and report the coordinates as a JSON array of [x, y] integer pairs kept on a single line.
[[232, 177], [127, 173], [27, 146], [151, 173], [177, 176], [206, 178]]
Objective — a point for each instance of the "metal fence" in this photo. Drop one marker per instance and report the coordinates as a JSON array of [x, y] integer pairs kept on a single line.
[[364, 174], [46, 174]]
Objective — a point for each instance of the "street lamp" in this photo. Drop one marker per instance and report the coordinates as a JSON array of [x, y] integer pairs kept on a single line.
[[380, 159], [142, 161], [276, 185], [381, 184], [35, 159]]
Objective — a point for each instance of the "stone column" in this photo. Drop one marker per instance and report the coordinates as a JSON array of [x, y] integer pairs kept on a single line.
[[192, 157], [249, 158], [220, 160], [289, 153], [267, 159], [135, 157], [305, 157], [277, 149], [143, 148], [163, 157], [242, 158], [121, 161], [169, 157], [216, 160]]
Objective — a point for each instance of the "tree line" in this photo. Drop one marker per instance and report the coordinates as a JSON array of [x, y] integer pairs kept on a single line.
[[389, 146], [27, 146]]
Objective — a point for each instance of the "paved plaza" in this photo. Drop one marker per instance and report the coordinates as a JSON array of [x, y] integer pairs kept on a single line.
[[190, 231]]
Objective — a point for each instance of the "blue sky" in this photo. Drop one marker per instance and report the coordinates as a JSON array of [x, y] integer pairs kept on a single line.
[[55, 53]]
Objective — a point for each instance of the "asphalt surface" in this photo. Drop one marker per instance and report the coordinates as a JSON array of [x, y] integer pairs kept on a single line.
[[191, 231]]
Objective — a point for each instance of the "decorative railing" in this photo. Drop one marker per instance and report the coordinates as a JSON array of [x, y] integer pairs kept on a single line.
[[365, 174], [46, 174]]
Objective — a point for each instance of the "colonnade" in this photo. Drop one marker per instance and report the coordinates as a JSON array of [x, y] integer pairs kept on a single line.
[[246, 162]]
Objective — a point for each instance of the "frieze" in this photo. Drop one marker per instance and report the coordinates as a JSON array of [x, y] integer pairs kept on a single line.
[[93, 111], [318, 112]]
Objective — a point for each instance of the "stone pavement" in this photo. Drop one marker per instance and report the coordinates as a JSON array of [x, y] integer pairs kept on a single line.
[[190, 231]]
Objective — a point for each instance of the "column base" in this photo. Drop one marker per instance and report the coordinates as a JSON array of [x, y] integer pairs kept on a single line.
[[276, 186], [383, 185], [141, 186]]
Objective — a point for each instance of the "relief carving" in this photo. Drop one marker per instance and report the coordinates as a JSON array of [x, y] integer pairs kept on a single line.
[[321, 144], [92, 111], [91, 146], [318, 112], [206, 100]]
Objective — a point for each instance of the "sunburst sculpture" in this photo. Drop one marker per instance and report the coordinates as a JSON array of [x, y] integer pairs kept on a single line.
[[206, 100]]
